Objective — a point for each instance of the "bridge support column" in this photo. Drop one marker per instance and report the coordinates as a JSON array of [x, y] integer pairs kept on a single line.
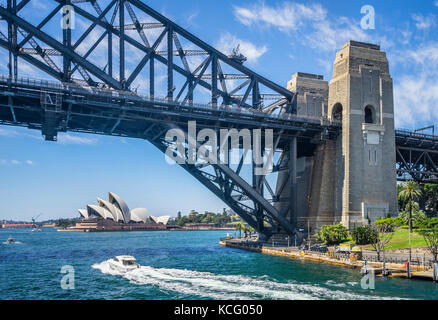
[[122, 42], [361, 96], [66, 34], [293, 214], [12, 39]]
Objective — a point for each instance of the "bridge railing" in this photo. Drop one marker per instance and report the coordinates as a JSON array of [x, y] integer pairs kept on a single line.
[[110, 93], [33, 82], [414, 134]]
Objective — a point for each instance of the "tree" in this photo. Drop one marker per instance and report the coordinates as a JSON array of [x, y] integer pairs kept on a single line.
[[384, 231], [181, 222], [430, 192], [412, 211], [410, 191], [240, 227], [402, 202], [245, 231], [428, 228], [65, 223], [332, 234], [251, 230], [364, 235]]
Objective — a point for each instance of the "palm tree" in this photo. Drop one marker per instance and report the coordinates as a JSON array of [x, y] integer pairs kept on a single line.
[[246, 230], [251, 230], [240, 227], [410, 191]]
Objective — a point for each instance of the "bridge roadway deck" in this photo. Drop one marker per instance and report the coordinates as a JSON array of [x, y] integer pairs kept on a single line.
[[93, 110], [120, 113]]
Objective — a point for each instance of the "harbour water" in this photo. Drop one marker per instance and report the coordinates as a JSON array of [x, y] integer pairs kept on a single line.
[[175, 265]]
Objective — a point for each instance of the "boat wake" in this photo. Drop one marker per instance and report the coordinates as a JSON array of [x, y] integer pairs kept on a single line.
[[15, 242], [228, 287]]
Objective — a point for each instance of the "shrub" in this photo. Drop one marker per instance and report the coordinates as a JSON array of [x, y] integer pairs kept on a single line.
[[392, 222], [364, 235], [332, 234]]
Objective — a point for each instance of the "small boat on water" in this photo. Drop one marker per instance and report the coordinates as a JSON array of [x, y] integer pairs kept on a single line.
[[123, 263], [10, 240]]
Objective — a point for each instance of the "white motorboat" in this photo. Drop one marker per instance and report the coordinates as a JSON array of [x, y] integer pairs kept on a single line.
[[123, 263], [10, 240]]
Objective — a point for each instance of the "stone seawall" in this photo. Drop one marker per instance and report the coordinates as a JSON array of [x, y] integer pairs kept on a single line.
[[294, 253]]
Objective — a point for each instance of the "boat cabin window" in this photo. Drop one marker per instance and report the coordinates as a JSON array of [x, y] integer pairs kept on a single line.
[[128, 262]]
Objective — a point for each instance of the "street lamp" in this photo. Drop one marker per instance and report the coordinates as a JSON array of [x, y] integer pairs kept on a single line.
[[410, 247]]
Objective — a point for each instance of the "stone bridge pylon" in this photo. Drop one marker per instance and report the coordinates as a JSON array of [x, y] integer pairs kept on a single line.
[[351, 179]]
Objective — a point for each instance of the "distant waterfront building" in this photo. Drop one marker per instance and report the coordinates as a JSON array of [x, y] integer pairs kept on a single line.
[[163, 220], [16, 225], [115, 209], [114, 215]]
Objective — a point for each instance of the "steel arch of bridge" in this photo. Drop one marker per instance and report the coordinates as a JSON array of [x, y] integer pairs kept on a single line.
[[92, 98], [28, 42]]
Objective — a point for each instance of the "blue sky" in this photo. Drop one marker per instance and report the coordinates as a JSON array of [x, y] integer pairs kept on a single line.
[[278, 37]]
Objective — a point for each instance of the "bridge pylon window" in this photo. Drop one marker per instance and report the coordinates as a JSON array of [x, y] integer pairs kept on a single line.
[[337, 112], [369, 114]]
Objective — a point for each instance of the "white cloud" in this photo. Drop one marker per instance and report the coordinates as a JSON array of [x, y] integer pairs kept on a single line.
[[416, 93], [416, 100], [9, 132], [327, 35], [16, 162], [406, 37], [228, 42], [311, 25], [425, 56], [286, 17], [190, 19], [327, 65], [70, 139], [424, 22], [37, 4]]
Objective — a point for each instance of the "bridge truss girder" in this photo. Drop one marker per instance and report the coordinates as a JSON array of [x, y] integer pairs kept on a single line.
[[416, 157], [417, 164], [215, 72]]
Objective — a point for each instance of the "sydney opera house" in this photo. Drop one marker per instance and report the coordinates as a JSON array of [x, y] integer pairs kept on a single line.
[[114, 215]]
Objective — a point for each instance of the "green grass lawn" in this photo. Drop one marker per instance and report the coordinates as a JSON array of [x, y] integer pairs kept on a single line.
[[400, 240]]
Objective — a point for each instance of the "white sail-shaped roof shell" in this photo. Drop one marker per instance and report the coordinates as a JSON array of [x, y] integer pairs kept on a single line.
[[121, 204], [139, 215], [163, 219], [117, 214], [83, 213], [99, 211]]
